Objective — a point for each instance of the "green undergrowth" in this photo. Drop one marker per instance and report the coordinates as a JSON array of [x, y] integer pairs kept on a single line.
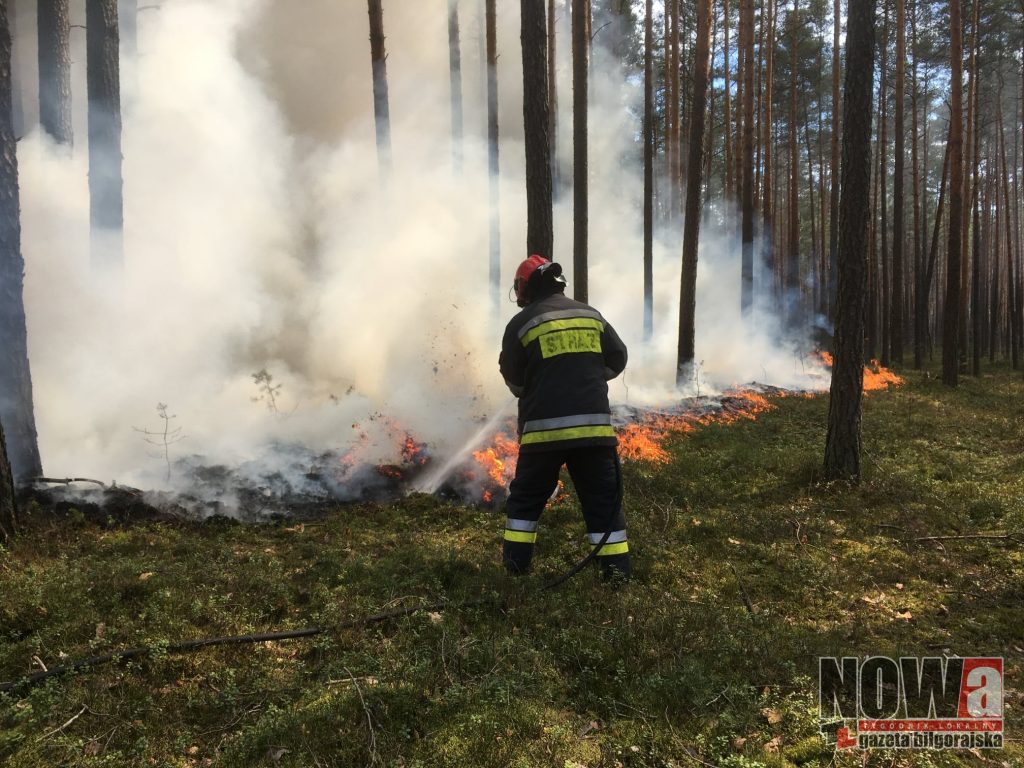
[[673, 670]]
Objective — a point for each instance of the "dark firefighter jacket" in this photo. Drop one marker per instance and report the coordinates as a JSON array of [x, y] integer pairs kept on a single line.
[[557, 356]]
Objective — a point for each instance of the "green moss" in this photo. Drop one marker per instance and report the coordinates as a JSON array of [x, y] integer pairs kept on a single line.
[[673, 670]]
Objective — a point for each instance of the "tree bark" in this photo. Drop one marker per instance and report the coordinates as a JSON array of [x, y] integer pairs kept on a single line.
[[768, 184], [493, 168], [747, 233], [976, 329], [833, 205], [381, 108], [106, 204], [969, 160], [675, 161], [648, 129], [580, 55], [455, 83], [16, 410], [898, 235], [793, 297], [919, 238], [843, 441], [1011, 267], [55, 70], [553, 100], [691, 221], [882, 287], [951, 315], [533, 36], [727, 110], [8, 505]]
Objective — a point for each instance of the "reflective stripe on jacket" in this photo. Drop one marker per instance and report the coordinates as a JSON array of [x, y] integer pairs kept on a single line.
[[557, 356]]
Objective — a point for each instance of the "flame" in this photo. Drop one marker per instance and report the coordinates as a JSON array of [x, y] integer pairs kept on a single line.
[[876, 376], [413, 452], [644, 440], [879, 378], [498, 460]]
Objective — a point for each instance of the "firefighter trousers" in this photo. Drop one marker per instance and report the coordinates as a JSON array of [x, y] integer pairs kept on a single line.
[[596, 475]]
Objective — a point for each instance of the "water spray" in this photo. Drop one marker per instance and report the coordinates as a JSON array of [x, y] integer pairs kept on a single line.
[[433, 481]]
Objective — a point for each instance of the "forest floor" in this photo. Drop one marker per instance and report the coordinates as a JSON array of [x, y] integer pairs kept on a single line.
[[673, 670]]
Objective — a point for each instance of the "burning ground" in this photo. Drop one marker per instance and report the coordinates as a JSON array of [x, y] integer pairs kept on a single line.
[[384, 462], [672, 670]]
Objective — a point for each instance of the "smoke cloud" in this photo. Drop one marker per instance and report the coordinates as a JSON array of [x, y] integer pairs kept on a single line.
[[260, 236]]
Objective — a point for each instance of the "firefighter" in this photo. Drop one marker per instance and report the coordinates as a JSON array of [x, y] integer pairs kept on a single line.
[[557, 356]]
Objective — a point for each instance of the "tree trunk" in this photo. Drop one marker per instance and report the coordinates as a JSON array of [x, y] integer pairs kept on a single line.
[[896, 313], [767, 197], [648, 171], [916, 176], [8, 506], [381, 109], [55, 70], [843, 443], [106, 205], [675, 161], [533, 35], [793, 297], [580, 204], [17, 93], [951, 315], [493, 172], [976, 329], [691, 222], [455, 81], [747, 266], [882, 287], [16, 411], [727, 110], [553, 100], [833, 205], [965, 259], [933, 251], [1011, 268]]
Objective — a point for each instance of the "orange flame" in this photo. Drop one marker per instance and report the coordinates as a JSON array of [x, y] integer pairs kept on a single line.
[[879, 378], [876, 376], [413, 452], [644, 441], [498, 460]]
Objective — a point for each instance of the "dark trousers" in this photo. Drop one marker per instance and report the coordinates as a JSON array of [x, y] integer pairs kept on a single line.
[[597, 477]]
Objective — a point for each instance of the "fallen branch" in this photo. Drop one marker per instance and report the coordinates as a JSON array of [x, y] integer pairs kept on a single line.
[[996, 536], [69, 722], [743, 591], [189, 646]]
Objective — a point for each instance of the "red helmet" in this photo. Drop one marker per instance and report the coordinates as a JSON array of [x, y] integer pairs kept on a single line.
[[531, 268]]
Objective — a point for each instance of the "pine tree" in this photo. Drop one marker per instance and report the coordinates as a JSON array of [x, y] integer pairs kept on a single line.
[[55, 70], [843, 441], [16, 410]]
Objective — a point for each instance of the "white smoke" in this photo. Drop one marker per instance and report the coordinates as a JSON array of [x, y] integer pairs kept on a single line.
[[259, 235]]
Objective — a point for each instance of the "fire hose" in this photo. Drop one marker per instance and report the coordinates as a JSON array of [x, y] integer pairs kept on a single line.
[[188, 646]]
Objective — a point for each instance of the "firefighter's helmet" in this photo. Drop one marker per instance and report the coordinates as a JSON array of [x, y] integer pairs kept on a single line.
[[531, 274]]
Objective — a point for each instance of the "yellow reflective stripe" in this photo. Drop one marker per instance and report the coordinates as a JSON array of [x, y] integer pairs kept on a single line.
[[524, 537], [562, 325], [619, 548], [571, 341], [569, 433]]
